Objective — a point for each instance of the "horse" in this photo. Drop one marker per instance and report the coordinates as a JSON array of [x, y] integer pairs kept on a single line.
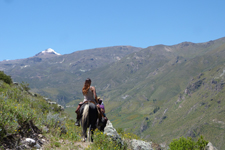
[[89, 120]]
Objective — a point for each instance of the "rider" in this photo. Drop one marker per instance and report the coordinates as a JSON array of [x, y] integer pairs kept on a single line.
[[101, 105], [89, 93]]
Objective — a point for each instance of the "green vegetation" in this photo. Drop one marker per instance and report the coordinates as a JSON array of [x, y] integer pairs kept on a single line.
[[7, 79], [156, 109], [188, 144], [20, 111], [25, 86]]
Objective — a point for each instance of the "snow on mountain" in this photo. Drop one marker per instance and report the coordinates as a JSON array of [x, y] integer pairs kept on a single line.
[[47, 52], [51, 51]]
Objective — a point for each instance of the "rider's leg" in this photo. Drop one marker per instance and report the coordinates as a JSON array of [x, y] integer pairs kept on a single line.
[[77, 111], [99, 115]]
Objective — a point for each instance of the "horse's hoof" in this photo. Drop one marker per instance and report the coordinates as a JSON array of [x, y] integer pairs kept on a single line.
[[84, 139], [77, 124]]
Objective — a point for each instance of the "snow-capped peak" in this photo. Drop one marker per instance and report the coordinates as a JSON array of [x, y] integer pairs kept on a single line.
[[49, 50]]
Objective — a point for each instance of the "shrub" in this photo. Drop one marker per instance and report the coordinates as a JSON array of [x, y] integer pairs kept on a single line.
[[120, 131], [25, 86], [156, 109], [5, 78], [188, 143]]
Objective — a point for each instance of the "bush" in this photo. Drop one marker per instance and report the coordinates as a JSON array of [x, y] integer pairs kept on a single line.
[[25, 86], [188, 144], [156, 109], [5, 78], [120, 131]]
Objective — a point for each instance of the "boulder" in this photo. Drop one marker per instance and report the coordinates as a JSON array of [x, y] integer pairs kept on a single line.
[[61, 107], [140, 145], [51, 102], [45, 129], [111, 132], [28, 143], [15, 83], [210, 146]]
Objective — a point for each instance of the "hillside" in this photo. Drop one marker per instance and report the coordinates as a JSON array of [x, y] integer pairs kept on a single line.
[[198, 110], [143, 90], [31, 121], [28, 117], [145, 104], [148, 104]]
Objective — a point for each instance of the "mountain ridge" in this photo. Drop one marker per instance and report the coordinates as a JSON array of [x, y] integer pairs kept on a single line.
[[142, 90]]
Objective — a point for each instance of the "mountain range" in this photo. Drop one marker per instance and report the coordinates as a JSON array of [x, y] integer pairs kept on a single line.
[[160, 92]]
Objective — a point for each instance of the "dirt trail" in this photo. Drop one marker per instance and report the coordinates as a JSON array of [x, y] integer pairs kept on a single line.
[[82, 145], [67, 145]]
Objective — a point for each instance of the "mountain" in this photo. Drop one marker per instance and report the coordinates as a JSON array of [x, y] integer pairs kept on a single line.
[[51, 76], [144, 100], [157, 92]]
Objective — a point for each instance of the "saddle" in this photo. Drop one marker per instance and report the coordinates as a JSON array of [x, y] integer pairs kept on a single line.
[[100, 114], [89, 101]]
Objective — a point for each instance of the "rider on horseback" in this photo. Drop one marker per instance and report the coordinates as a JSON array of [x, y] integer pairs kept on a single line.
[[102, 107], [89, 93]]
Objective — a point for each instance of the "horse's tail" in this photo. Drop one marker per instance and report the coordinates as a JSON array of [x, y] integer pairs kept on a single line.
[[85, 120], [85, 113]]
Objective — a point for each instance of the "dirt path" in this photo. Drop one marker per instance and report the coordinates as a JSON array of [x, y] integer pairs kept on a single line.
[[82, 145], [66, 145]]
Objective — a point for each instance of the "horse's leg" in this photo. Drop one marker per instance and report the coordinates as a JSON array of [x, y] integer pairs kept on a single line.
[[92, 133], [85, 121], [92, 127], [93, 119], [89, 133], [84, 134]]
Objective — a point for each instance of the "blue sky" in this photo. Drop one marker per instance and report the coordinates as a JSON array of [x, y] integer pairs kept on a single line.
[[30, 26]]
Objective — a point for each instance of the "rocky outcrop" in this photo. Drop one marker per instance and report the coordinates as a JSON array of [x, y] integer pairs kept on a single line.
[[111, 132], [134, 144], [28, 143], [60, 107], [29, 137], [209, 146], [140, 145]]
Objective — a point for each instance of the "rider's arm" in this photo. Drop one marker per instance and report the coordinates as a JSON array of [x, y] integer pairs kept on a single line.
[[94, 92]]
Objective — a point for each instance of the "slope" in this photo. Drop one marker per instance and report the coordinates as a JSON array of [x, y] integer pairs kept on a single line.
[[153, 104]]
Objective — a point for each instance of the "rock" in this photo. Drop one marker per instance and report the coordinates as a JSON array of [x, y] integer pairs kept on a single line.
[[110, 131], [209, 146], [61, 107], [45, 98], [45, 129], [37, 146], [28, 142], [141, 145], [15, 83], [51, 102], [40, 135]]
